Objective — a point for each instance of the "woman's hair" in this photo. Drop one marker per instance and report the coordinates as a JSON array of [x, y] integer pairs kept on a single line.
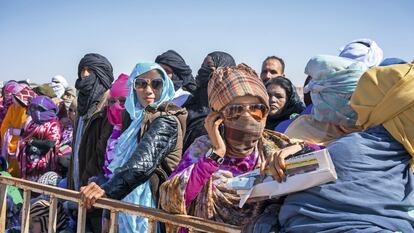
[[283, 82]]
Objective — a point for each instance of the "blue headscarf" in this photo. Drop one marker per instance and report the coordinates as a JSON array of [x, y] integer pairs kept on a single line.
[[127, 144], [334, 79], [392, 61]]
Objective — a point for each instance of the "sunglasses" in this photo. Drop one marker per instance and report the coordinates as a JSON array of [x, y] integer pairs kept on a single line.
[[72, 110], [234, 111], [113, 100], [155, 83]]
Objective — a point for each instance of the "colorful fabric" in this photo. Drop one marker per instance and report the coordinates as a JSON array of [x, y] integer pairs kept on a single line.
[[363, 50], [120, 86], [373, 193], [110, 150], [50, 178], [67, 133], [119, 89], [24, 96], [43, 109], [10, 133], [282, 126], [230, 82], [385, 96], [59, 85], [127, 143], [334, 79], [33, 165], [39, 214], [8, 90], [93, 87], [197, 187]]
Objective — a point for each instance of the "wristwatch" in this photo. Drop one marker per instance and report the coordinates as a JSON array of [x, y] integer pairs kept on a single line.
[[213, 156]]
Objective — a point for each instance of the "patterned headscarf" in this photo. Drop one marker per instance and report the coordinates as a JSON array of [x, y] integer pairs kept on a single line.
[[49, 178], [43, 109], [25, 96], [39, 212], [230, 82], [334, 79], [363, 50], [10, 88]]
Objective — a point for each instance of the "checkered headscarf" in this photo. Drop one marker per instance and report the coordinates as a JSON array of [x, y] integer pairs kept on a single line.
[[229, 82]]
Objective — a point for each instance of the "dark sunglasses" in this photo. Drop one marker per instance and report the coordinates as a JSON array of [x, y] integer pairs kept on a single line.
[[72, 110], [113, 100], [155, 83], [234, 111]]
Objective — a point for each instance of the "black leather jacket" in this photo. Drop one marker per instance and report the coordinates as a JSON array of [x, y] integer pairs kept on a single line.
[[157, 142]]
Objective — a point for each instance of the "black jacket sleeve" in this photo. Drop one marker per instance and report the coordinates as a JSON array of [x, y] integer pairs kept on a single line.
[[159, 140]]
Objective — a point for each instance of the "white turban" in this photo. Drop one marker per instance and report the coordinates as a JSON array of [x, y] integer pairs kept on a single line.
[[59, 85], [363, 50]]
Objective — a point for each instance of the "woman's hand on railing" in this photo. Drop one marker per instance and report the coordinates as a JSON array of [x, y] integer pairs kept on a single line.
[[91, 193]]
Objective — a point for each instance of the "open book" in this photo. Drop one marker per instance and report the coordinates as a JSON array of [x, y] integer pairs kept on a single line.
[[303, 172]]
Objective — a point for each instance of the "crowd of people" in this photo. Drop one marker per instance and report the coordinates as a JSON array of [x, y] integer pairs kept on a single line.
[[164, 139]]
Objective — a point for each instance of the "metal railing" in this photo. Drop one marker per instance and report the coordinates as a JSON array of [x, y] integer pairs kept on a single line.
[[153, 215]]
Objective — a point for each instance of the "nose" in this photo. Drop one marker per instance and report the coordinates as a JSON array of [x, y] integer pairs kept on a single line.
[[148, 90], [245, 113]]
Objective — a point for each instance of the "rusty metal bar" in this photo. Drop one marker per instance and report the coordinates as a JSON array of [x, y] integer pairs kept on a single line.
[[26, 211], [52, 214], [3, 207], [81, 219], [197, 224], [113, 224], [152, 226]]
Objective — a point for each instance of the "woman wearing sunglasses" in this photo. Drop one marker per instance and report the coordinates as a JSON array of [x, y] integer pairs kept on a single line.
[[149, 148], [40, 140], [197, 187]]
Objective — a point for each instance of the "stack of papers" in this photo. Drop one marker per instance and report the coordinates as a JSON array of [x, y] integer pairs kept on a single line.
[[302, 171]]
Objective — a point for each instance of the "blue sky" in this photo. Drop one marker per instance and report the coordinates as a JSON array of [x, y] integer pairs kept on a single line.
[[39, 39]]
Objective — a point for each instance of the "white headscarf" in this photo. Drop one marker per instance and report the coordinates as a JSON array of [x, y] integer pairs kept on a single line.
[[363, 50], [59, 85]]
